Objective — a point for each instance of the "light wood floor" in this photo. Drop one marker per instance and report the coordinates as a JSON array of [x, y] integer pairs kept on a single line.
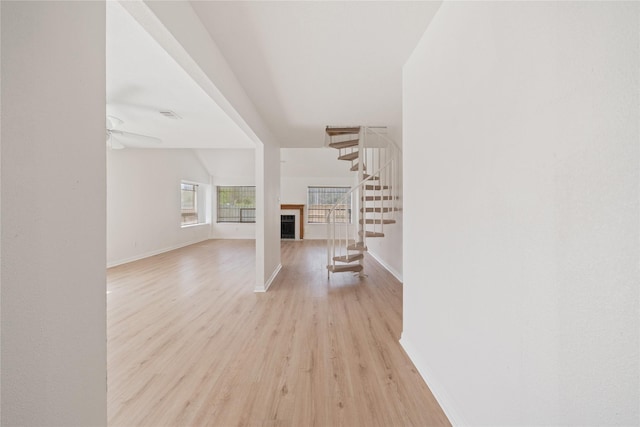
[[191, 344]]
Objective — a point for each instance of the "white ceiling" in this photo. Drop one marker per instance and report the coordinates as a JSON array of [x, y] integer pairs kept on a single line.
[[308, 64], [143, 79], [304, 64]]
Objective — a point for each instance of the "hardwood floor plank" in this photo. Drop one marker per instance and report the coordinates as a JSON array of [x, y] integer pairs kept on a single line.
[[191, 344]]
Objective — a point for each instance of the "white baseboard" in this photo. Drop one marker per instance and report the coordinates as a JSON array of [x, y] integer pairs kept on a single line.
[[387, 267], [265, 287], [438, 391], [152, 253], [232, 237]]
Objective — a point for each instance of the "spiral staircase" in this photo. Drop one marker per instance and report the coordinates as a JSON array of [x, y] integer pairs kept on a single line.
[[376, 198]]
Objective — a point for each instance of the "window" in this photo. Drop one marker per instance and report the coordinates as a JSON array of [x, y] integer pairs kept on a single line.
[[189, 203], [321, 200], [236, 204], [195, 203]]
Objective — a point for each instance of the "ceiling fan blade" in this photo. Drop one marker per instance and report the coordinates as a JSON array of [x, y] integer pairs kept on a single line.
[[113, 122], [135, 137]]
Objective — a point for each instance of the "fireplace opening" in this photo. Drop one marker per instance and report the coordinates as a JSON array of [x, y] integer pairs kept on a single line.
[[287, 226]]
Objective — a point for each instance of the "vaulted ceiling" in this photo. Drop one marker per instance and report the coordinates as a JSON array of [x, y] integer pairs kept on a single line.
[[303, 64], [143, 80], [308, 64]]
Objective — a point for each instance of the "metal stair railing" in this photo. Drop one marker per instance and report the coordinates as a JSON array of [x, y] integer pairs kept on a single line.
[[377, 193]]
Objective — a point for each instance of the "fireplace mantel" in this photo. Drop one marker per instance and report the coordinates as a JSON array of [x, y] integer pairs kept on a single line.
[[301, 209]]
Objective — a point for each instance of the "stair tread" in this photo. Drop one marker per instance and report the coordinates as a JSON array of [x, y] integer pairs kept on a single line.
[[373, 198], [371, 234], [345, 144], [376, 187], [342, 130], [357, 247], [348, 258], [344, 268], [350, 156], [378, 221], [347, 140], [378, 210]]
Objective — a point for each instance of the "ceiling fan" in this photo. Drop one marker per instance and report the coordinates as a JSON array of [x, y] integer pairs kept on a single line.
[[119, 139]]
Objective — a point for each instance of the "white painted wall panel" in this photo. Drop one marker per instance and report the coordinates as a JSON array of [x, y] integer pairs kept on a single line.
[[143, 202], [521, 212], [53, 214]]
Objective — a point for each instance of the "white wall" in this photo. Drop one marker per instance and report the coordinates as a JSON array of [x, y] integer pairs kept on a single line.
[[267, 214], [236, 165], [0, 215], [143, 202], [521, 212], [388, 250], [53, 214], [230, 167], [307, 167]]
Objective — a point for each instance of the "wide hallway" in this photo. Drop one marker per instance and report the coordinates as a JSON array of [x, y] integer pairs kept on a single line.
[[191, 344]]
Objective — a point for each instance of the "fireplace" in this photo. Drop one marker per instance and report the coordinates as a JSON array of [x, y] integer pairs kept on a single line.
[[297, 230], [287, 226]]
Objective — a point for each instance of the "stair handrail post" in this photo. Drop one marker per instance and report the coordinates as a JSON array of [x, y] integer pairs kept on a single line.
[[361, 193], [382, 182], [329, 244], [396, 183], [396, 155], [392, 186]]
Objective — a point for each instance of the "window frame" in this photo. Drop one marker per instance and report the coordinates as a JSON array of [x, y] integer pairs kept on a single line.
[[241, 209], [195, 187], [348, 206]]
